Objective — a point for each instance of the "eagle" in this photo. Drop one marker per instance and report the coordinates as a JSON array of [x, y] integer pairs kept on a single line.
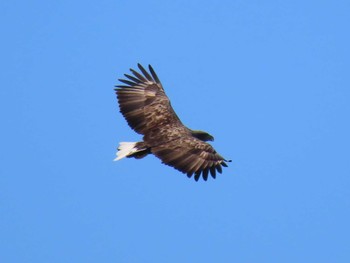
[[148, 111]]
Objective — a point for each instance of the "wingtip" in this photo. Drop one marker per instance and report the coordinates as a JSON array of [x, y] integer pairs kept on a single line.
[[154, 75], [133, 70], [140, 66]]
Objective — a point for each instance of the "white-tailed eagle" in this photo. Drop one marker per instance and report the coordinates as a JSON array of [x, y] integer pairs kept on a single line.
[[148, 111]]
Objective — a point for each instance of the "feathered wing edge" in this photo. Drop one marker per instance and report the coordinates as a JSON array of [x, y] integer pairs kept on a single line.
[[139, 79], [142, 99], [133, 96], [192, 157]]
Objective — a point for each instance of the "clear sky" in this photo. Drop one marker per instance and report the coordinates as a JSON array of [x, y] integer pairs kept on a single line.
[[270, 81]]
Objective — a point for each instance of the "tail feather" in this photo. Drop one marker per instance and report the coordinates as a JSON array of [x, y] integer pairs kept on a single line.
[[126, 149]]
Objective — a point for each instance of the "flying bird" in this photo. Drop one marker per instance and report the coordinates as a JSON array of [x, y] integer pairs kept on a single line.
[[147, 109]]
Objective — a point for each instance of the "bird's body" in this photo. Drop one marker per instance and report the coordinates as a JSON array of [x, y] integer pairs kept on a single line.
[[148, 111]]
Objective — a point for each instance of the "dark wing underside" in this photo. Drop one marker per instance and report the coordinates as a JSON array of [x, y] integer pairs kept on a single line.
[[144, 103], [191, 156]]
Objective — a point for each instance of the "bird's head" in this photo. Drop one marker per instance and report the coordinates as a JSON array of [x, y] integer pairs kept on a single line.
[[202, 135]]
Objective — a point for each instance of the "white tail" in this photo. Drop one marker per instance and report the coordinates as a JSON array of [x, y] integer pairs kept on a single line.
[[125, 149]]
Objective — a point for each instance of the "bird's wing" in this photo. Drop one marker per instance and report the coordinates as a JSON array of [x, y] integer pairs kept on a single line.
[[191, 156], [143, 102]]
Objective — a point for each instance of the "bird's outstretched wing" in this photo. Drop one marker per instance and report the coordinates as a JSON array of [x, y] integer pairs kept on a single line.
[[143, 102], [191, 156]]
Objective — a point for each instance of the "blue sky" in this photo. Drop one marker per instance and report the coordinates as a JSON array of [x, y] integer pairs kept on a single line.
[[269, 79]]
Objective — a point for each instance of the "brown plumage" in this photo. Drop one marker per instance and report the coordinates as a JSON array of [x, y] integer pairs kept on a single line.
[[148, 111]]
